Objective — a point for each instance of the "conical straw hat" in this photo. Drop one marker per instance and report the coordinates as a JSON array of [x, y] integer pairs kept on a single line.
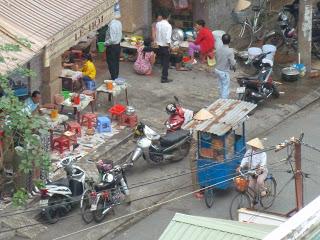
[[202, 115], [241, 5], [256, 142]]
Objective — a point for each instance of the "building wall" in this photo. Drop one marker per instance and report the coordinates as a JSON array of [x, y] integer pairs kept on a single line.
[[36, 65], [136, 16]]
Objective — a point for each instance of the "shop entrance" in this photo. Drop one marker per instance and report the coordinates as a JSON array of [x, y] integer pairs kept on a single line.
[[181, 12]]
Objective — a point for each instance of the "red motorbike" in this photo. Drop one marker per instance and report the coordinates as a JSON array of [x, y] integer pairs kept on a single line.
[[176, 118]]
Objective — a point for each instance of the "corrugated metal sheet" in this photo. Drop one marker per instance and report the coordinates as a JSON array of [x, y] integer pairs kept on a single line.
[[44, 18], [11, 59], [227, 114], [186, 227]]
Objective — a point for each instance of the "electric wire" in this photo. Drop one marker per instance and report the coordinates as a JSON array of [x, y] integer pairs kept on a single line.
[[144, 183]]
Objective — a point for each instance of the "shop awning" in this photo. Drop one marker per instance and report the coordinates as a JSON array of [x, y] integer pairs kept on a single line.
[[227, 114], [57, 24]]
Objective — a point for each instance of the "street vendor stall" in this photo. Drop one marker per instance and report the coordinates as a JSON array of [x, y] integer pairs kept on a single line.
[[220, 143]]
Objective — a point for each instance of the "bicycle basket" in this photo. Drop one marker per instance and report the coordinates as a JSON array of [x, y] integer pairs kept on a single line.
[[239, 16], [241, 184]]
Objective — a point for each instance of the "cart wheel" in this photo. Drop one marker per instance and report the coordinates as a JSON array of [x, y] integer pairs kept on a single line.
[[209, 197]]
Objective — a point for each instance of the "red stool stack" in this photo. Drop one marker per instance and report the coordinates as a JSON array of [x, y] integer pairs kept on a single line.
[[117, 111], [61, 144], [89, 120], [129, 120], [74, 127]]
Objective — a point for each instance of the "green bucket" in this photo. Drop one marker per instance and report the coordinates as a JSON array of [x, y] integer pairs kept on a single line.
[[101, 47]]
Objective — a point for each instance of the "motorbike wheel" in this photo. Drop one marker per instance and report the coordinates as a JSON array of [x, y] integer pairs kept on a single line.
[[275, 92], [183, 151], [98, 215], [316, 49], [86, 214], [276, 40], [51, 213]]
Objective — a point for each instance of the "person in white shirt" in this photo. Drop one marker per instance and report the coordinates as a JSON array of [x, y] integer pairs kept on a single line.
[[163, 40], [113, 49], [255, 159]]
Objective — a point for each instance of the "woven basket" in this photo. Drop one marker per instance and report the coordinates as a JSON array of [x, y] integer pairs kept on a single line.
[[241, 184]]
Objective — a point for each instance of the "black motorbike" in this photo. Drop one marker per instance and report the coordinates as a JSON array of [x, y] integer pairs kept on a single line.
[[258, 88], [155, 149], [253, 66]]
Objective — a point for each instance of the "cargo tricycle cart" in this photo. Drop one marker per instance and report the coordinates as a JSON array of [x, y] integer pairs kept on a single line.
[[221, 144]]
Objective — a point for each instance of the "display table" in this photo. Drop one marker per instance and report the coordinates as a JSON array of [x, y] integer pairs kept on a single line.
[[85, 101], [114, 93]]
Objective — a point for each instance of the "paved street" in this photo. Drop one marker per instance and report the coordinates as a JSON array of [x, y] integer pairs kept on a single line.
[[195, 89], [306, 121]]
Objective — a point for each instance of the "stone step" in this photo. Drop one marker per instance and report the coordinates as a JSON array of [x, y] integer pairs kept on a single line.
[[121, 153]]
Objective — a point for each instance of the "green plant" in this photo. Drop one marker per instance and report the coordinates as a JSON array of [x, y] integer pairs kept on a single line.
[[21, 130], [20, 198]]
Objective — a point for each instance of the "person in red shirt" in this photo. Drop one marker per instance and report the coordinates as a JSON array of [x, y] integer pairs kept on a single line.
[[204, 42]]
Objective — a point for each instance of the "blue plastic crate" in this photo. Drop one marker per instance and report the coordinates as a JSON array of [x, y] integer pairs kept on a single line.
[[19, 92]]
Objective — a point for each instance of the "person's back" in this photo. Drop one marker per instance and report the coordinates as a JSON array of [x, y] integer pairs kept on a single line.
[[207, 40], [145, 59], [224, 58]]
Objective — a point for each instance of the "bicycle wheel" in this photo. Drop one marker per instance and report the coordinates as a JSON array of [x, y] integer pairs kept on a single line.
[[209, 197], [241, 200], [241, 36], [271, 190]]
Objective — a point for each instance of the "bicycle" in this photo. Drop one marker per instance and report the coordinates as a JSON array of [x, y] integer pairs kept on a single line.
[[245, 31], [247, 197]]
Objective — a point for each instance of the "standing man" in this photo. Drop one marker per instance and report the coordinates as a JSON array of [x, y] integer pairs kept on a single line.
[[112, 42], [163, 39], [224, 63]]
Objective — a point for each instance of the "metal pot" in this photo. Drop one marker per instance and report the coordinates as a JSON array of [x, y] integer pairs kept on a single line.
[[290, 74], [130, 110]]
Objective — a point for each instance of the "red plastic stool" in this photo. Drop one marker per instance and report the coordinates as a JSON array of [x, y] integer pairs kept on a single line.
[[129, 120], [117, 111], [71, 136], [61, 144], [74, 127], [89, 120]]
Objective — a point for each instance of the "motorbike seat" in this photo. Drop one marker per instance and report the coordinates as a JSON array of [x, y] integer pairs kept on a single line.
[[248, 78], [173, 137], [102, 187], [60, 182]]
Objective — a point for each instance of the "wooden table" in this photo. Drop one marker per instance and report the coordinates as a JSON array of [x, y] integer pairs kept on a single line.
[[112, 94], [77, 108]]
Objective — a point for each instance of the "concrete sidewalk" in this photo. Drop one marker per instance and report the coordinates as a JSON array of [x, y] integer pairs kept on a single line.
[[195, 89]]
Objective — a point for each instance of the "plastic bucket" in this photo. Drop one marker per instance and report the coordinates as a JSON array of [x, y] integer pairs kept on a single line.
[[218, 38], [269, 48], [101, 47], [253, 52]]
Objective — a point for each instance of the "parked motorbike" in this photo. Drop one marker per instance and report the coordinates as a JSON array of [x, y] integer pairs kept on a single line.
[[176, 118], [97, 202], [155, 149], [58, 197], [253, 66], [258, 88], [288, 34]]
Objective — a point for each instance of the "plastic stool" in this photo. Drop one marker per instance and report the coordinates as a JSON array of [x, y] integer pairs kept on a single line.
[[117, 111], [74, 127], [71, 136], [91, 85], [89, 120], [103, 124], [129, 120], [61, 144]]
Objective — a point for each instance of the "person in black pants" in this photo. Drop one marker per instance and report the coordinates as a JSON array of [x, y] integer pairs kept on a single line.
[[113, 56], [163, 40], [113, 49]]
